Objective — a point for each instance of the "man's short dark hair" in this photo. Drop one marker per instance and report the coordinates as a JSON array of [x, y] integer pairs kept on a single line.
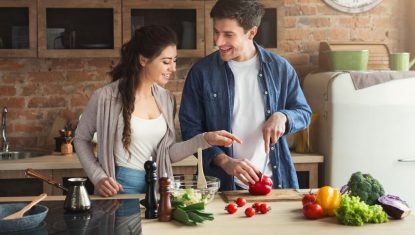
[[247, 13]]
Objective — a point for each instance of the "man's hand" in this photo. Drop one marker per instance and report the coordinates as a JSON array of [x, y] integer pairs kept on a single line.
[[108, 187], [244, 170], [221, 138], [273, 129]]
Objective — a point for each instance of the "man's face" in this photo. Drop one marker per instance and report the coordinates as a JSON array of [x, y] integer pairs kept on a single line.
[[232, 41]]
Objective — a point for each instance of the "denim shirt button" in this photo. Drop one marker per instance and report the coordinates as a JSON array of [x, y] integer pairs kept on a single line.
[[268, 111], [214, 95], [266, 92], [260, 74], [275, 167], [279, 186], [272, 148]]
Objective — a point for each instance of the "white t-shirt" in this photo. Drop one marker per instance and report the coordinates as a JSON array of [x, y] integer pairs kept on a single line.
[[248, 114], [146, 135]]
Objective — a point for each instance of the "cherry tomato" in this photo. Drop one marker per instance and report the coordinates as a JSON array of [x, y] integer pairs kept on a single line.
[[240, 201], [256, 206], [264, 208], [313, 211], [309, 198], [249, 212], [231, 208]]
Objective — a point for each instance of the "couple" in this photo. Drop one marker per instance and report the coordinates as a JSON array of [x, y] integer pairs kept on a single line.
[[239, 94]]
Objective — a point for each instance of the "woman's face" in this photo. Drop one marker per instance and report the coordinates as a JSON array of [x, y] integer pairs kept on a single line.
[[161, 69]]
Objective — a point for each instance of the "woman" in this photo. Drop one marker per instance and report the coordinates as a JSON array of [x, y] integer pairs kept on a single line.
[[134, 117]]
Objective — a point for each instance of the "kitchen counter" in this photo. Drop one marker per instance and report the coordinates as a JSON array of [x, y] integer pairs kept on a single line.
[[284, 218], [71, 161]]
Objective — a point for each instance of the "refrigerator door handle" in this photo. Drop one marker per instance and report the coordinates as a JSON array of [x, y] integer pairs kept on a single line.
[[406, 160]]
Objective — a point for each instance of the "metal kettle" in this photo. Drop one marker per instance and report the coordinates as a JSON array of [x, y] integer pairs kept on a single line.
[[77, 197]]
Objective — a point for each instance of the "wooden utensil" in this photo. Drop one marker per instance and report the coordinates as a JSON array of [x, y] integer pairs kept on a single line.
[[201, 180], [20, 213]]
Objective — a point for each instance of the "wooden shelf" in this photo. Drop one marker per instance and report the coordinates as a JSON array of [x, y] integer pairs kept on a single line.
[[268, 35], [31, 51], [179, 12], [75, 15]]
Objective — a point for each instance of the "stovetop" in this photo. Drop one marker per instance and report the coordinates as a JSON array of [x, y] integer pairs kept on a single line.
[[107, 217]]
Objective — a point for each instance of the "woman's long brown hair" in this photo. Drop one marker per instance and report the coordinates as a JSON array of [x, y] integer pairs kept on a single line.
[[149, 42]]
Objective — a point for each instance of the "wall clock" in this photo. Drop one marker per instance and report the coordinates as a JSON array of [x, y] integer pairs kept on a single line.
[[353, 6]]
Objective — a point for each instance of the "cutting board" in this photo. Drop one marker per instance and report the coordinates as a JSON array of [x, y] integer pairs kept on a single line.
[[273, 196]]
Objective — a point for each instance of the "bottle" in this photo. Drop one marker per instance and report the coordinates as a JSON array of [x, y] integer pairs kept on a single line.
[[150, 201], [164, 209]]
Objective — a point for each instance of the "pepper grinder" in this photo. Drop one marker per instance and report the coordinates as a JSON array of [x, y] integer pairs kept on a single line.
[[150, 201], [164, 204]]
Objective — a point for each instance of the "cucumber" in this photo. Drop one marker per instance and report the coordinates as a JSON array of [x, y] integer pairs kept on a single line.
[[195, 206], [195, 217]]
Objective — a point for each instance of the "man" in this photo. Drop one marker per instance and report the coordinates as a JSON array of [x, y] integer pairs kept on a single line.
[[248, 91]]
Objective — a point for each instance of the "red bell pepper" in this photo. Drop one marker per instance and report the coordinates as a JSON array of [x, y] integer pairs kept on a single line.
[[262, 187]]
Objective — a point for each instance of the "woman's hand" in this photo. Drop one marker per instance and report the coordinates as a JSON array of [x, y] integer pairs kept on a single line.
[[221, 138], [108, 187]]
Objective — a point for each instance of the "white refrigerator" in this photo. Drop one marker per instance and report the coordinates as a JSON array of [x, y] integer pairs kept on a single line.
[[371, 130]]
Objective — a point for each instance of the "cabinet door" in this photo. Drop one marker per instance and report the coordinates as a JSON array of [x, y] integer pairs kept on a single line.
[[269, 33], [186, 18], [74, 28], [18, 24]]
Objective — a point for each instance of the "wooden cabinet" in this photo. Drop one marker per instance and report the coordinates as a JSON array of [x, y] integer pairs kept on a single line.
[[18, 25], [185, 17], [269, 32], [97, 28], [74, 28]]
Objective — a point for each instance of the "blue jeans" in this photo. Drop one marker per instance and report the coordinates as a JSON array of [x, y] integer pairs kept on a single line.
[[133, 181]]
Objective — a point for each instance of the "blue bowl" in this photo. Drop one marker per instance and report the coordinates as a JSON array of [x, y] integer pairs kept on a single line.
[[30, 219]]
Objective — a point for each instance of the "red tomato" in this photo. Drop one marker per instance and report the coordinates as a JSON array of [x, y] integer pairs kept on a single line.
[[264, 208], [313, 211], [256, 206], [231, 208], [309, 198], [240, 201], [249, 212]]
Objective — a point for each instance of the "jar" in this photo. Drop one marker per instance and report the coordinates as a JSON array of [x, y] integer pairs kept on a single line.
[[66, 148]]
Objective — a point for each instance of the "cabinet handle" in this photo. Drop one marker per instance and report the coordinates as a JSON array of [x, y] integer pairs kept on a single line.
[[406, 160]]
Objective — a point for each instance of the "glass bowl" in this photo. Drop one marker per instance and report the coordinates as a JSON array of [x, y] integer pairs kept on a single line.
[[184, 188]]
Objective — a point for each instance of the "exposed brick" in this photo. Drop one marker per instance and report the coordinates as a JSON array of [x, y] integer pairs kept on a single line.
[[102, 63], [80, 76], [79, 100], [13, 77], [295, 34], [6, 65], [46, 102], [12, 102], [25, 114], [45, 77], [27, 128], [339, 35], [67, 64], [290, 22], [7, 90]]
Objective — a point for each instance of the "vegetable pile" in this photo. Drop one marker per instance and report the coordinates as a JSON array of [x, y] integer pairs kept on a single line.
[[190, 214], [353, 211]]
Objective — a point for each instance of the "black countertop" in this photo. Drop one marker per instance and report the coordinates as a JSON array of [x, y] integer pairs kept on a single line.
[[112, 216]]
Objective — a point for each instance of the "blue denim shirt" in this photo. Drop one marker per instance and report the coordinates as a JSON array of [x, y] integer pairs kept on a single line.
[[207, 105]]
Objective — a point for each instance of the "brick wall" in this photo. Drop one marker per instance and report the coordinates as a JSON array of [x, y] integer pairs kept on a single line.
[[37, 91]]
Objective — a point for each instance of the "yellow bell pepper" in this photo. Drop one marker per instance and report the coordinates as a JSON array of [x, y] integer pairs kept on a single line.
[[329, 199]]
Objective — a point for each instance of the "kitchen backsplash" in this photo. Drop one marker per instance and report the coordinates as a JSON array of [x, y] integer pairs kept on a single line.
[[38, 90]]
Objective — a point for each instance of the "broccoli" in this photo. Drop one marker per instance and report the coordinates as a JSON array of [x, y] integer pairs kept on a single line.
[[367, 188]]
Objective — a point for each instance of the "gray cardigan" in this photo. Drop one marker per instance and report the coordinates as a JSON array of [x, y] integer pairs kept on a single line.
[[101, 116]]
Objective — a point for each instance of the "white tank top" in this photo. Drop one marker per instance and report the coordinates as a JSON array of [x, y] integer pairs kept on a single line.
[[146, 135], [248, 114]]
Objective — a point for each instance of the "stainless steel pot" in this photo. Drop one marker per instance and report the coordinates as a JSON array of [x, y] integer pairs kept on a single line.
[[77, 198]]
